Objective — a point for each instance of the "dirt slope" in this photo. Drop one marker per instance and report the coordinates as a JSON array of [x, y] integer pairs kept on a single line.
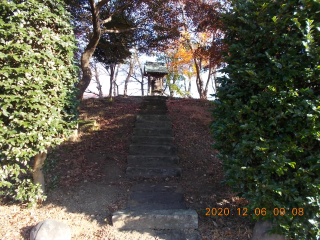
[[91, 175]]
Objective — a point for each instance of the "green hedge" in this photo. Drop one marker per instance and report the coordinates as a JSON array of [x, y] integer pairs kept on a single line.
[[37, 86], [267, 113]]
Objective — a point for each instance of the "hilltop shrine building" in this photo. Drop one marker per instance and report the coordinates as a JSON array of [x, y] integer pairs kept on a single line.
[[155, 72]]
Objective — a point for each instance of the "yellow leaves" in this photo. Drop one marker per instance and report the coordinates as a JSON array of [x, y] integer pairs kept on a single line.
[[189, 49], [184, 56], [182, 59], [204, 38], [185, 35]]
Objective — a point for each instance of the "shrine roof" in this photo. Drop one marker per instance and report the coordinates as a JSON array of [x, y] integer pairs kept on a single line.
[[155, 67]]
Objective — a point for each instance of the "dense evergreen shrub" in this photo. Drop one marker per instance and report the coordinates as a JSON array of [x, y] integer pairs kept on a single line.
[[37, 87], [267, 125]]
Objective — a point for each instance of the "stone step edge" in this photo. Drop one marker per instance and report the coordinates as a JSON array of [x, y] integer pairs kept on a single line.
[[136, 159], [151, 145], [151, 140], [153, 166], [156, 219], [157, 128], [154, 116], [172, 234], [151, 172], [154, 123]]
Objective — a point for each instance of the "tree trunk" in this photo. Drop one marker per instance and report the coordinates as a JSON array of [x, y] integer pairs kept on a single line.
[[187, 86], [38, 176], [142, 75], [142, 82], [88, 52], [112, 68], [149, 86], [115, 88], [170, 87], [128, 78], [214, 80], [99, 87], [199, 79], [205, 91], [115, 85]]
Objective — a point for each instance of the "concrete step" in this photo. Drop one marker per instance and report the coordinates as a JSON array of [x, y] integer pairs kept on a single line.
[[153, 108], [153, 140], [178, 235], [134, 206], [151, 161], [153, 117], [155, 98], [157, 234], [153, 103], [157, 187], [160, 111], [153, 124], [157, 132], [155, 219], [154, 165], [157, 197], [153, 112], [143, 149], [152, 172]]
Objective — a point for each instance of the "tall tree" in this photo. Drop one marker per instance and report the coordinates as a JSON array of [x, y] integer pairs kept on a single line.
[[202, 35], [268, 112], [134, 71], [180, 64], [175, 76], [95, 66], [139, 73], [114, 48], [37, 93], [91, 18], [129, 75], [96, 16], [197, 27]]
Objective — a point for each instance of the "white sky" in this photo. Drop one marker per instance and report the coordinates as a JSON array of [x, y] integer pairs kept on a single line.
[[133, 86]]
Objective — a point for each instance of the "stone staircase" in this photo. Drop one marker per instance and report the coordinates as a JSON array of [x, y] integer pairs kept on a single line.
[[152, 154]]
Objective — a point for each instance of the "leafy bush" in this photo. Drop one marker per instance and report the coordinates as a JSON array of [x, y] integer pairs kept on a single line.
[[37, 87], [267, 126]]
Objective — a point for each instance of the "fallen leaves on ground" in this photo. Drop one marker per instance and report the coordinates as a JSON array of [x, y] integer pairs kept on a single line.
[[100, 155], [202, 172]]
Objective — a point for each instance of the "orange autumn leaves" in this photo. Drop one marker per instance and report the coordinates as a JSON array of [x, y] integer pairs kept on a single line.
[[197, 53]]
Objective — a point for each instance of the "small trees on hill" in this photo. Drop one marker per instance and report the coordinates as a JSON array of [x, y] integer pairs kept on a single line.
[[37, 89], [267, 126], [194, 30]]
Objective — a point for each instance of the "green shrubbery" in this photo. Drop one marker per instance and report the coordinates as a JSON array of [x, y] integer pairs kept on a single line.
[[37, 87], [267, 126]]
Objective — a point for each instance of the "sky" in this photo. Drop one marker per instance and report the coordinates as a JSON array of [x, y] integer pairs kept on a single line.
[[133, 86]]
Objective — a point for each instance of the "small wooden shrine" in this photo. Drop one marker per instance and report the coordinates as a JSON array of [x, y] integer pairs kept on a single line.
[[155, 72]]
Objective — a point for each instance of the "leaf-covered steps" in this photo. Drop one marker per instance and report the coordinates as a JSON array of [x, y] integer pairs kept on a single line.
[[152, 152], [156, 206]]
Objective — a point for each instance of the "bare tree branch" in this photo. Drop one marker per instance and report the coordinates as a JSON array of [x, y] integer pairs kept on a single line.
[[116, 30], [106, 20], [89, 91]]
